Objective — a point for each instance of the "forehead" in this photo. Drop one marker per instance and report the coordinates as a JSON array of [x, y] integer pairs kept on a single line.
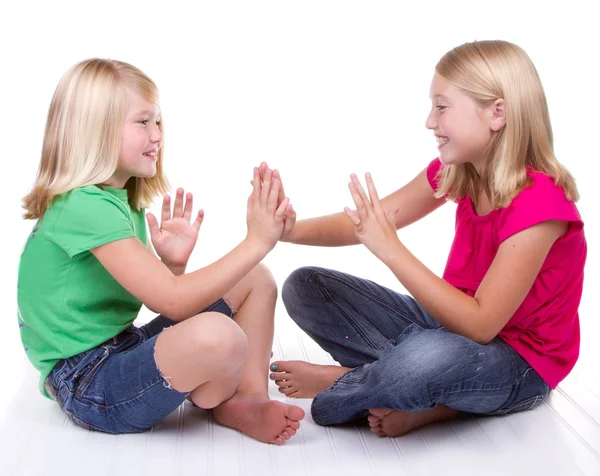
[[442, 89], [137, 104]]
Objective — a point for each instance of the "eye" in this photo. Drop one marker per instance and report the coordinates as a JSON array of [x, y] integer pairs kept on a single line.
[[144, 121], [440, 107]]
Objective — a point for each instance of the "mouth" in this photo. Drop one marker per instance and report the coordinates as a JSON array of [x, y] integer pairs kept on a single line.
[[442, 141], [151, 153]]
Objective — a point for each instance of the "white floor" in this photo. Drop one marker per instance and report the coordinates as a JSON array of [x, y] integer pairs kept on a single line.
[[561, 437]]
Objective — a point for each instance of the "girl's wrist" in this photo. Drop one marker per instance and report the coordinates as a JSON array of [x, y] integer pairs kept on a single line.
[[176, 268]]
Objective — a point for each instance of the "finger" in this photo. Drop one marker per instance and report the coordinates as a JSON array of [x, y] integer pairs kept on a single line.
[[266, 186], [153, 226], [262, 169], [361, 209], [256, 184], [360, 189], [280, 212], [273, 195], [373, 195], [178, 208], [189, 205], [165, 214], [354, 218], [198, 221], [277, 175]]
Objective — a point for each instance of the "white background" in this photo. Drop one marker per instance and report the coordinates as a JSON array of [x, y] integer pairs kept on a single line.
[[319, 89]]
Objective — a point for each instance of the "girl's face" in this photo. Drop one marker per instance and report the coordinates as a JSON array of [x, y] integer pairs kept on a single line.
[[461, 126], [140, 143]]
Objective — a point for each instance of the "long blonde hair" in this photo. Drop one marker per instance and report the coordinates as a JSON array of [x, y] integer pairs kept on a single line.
[[487, 71], [84, 132]]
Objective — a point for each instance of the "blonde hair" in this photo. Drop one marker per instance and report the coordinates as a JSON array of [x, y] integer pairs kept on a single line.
[[487, 71], [83, 134]]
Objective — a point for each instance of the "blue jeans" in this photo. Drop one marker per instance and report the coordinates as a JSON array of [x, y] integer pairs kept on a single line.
[[117, 387], [402, 358]]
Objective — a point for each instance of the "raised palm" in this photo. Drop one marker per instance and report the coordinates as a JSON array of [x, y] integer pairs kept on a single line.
[[175, 238]]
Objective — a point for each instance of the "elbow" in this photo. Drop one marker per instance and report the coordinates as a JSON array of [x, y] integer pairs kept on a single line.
[[483, 336], [168, 302]]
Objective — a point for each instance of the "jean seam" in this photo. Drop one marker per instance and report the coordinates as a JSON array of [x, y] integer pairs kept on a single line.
[[367, 294], [350, 320]]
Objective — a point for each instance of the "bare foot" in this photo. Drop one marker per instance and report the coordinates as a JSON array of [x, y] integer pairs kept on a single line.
[[259, 417], [299, 379], [386, 422]]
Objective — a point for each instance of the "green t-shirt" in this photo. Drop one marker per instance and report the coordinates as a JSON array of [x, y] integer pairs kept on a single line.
[[68, 303]]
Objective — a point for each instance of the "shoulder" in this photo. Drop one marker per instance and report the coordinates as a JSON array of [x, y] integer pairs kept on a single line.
[[542, 200], [433, 169], [91, 200], [542, 195]]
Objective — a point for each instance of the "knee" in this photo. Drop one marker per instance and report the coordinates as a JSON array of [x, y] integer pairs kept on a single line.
[[294, 287], [263, 278], [217, 335], [425, 357]]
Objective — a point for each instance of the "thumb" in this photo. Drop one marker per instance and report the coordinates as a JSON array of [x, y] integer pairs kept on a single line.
[[153, 226]]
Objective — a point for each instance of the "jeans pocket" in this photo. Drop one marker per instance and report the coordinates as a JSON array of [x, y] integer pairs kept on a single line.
[[86, 375], [524, 405], [528, 393], [83, 424]]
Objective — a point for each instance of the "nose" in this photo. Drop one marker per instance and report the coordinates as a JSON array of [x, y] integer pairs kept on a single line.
[[431, 121], [156, 135]]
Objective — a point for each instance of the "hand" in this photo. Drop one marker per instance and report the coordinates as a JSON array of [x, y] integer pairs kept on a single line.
[[373, 228], [264, 215], [175, 239], [289, 220]]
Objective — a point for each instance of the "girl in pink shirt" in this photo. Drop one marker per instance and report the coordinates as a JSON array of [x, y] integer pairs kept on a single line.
[[500, 329]]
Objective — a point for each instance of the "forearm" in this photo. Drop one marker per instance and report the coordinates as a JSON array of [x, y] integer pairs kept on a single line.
[[329, 230], [452, 308], [194, 291]]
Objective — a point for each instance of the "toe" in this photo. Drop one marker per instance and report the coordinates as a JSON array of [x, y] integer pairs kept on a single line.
[[285, 435], [279, 375], [373, 419], [294, 413], [380, 412], [278, 366], [290, 431], [293, 424]]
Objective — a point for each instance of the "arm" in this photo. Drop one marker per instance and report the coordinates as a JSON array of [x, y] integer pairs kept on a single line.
[[177, 297], [503, 289], [415, 200], [177, 270], [180, 297]]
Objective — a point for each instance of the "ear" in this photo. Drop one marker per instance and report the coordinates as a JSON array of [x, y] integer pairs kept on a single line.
[[498, 120]]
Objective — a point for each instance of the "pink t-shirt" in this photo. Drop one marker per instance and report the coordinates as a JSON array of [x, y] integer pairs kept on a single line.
[[545, 328]]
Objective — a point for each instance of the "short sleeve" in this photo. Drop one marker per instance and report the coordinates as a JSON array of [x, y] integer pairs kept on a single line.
[[432, 171], [540, 202], [87, 218]]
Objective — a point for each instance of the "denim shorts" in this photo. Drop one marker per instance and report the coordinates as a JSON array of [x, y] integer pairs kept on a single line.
[[117, 387]]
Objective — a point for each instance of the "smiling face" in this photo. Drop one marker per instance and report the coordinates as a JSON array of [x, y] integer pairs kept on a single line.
[[462, 127], [140, 143]]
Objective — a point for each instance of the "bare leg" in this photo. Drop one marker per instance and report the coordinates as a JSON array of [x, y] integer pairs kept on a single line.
[[203, 355], [299, 379], [250, 410], [386, 422]]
